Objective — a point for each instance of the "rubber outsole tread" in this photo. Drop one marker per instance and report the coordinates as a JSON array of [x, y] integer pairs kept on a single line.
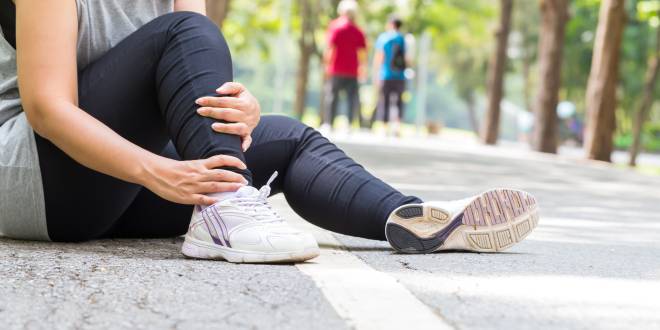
[[495, 221], [410, 212], [405, 241]]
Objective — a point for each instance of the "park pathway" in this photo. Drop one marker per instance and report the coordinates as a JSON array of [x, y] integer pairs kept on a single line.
[[593, 262]]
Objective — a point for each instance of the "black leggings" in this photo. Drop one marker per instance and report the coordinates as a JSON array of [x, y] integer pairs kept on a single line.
[[333, 88], [144, 89], [389, 89]]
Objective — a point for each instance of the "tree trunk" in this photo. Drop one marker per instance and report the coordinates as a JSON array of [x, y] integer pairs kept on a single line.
[[307, 47], [603, 79], [217, 10], [647, 100], [497, 65], [554, 15]]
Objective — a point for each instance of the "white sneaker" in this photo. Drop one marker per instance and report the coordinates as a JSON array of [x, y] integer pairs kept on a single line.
[[491, 221], [244, 228]]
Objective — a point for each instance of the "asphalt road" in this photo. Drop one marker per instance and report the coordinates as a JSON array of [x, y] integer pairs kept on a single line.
[[593, 262]]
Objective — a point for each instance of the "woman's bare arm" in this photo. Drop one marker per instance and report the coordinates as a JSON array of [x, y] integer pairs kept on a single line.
[[47, 70], [47, 75], [198, 6]]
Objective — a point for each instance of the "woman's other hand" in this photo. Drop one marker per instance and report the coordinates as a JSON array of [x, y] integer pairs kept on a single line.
[[188, 182], [237, 107]]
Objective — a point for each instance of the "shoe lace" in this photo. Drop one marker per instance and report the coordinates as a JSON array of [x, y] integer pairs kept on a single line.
[[256, 204]]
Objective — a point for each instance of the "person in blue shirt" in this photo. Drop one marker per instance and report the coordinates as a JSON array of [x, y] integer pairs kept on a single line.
[[388, 69]]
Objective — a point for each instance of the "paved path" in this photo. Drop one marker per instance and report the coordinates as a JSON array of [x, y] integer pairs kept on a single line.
[[593, 262]]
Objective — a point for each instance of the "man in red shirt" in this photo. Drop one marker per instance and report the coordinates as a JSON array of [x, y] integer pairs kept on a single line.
[[345, 59]]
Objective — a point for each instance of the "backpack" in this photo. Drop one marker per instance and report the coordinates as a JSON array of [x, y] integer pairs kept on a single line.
[[398, 62], [8, 21]]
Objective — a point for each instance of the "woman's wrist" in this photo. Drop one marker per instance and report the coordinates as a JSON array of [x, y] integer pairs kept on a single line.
[[144, 173]]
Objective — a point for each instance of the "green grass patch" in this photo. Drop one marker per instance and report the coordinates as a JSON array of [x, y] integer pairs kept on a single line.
[[644, 169]]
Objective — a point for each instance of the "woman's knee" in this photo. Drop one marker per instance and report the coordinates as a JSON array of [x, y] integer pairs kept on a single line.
[[186, 25], [184, 17]]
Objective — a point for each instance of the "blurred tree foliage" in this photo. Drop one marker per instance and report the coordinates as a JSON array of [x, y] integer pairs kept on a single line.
[[462, 39]]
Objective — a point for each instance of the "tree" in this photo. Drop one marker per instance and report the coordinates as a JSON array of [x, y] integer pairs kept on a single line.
[[307, 47], [217, 10], [490, 129], [554, 15], [460, 33], [647, 100], [603, 78]]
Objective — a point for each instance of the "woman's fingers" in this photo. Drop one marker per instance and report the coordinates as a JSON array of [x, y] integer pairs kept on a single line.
[[230, 88], [221, 102], [216, 187], [225, 114], [224, 176], [198, 199], [247, 141], [223, 161], [239, 129]]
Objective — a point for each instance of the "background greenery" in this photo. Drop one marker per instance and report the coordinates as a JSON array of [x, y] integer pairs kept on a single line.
[[264, 38]]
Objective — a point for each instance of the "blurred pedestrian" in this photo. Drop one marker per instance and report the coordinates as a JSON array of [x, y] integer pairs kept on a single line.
[[389, 74], [345, 62]]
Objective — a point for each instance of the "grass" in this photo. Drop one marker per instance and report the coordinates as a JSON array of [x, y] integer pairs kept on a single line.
[[644, 169]]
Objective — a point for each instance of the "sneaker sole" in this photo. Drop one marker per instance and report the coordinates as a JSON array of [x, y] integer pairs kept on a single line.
[[197, 249], [493, 221]]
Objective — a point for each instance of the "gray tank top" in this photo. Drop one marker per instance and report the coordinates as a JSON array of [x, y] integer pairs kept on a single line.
[[101, 25]]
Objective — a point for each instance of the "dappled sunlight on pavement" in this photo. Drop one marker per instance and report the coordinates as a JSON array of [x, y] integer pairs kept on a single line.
[[592, 262]]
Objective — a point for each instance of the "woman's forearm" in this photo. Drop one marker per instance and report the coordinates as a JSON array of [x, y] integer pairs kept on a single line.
[[93, 144]]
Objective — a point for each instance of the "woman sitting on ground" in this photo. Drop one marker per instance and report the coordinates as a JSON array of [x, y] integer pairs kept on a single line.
[[128, 122]]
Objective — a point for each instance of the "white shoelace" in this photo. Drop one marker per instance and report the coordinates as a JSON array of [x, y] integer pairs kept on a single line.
[[256, 204]]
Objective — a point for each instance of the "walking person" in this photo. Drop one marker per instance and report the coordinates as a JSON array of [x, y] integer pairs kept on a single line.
[[122, 132], [389, 67], [345, 64]]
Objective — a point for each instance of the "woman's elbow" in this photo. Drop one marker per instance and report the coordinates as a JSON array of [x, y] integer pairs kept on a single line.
[[35, 119], [40, 116]]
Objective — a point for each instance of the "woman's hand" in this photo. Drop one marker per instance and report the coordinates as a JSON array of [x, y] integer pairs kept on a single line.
[[237, 107], [187, 182]]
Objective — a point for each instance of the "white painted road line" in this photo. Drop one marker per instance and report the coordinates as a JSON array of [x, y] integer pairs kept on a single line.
[[363, 296]]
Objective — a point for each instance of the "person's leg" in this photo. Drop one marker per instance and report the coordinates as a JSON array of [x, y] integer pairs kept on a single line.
[[384, 100], [326, 188], [353, 100], [333, 88], [399, 88], [320, 182], [144, 89]]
